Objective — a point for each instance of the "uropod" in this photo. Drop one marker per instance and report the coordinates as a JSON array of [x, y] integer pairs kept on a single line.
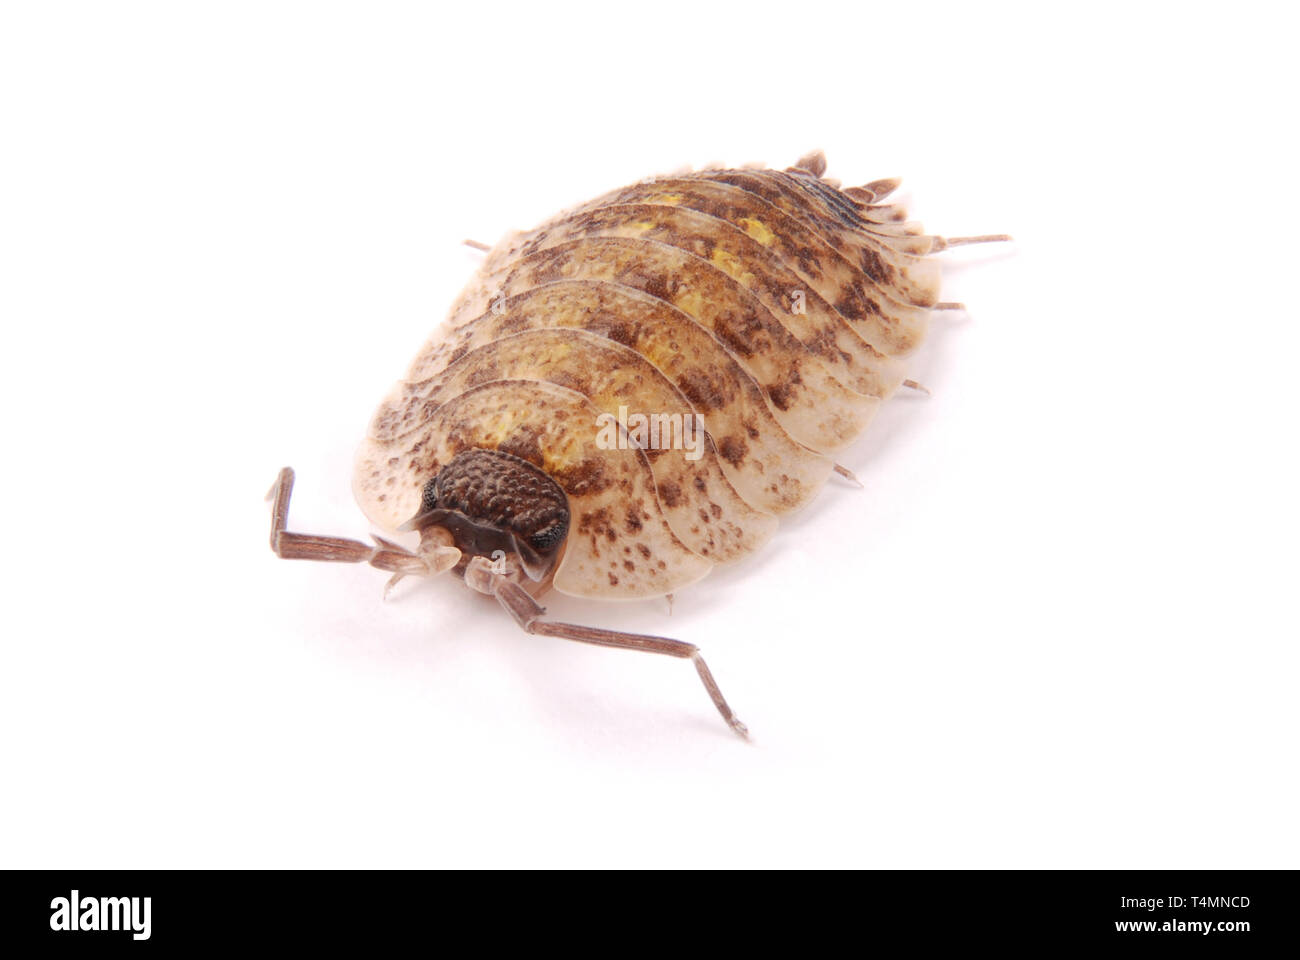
[[638, 389]]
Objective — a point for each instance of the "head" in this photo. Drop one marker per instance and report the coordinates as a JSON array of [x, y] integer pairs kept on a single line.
[[492, 504]]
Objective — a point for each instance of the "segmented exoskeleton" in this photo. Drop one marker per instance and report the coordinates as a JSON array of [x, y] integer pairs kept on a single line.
[[770, 310]]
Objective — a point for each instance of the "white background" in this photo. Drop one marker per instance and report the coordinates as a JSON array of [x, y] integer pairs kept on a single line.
[[1057, 628]]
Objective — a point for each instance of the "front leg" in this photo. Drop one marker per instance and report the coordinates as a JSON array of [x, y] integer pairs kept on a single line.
[[304, 546], [527, 612]]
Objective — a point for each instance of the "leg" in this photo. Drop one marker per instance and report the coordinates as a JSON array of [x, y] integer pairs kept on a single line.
[[946, 242], [304, 546], [527, 613], [875, 190], [848, 475]]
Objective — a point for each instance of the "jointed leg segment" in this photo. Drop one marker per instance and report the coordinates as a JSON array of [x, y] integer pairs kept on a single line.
[[528, 612], [306, 546]]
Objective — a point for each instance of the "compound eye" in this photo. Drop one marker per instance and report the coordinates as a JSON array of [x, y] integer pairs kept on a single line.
[[428, 504], [546, 540], [429, 499]]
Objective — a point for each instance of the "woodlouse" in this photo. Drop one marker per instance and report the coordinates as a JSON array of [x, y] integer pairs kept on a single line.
[[774, 308]]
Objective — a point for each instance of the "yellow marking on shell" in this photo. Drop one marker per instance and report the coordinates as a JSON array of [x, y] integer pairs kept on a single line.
[[731, 265], [552, 354], [552, 462], [689, 301], [638, 226], [668, 199], [758, 230], [607, 400], [664, 359], [500, 427], [562, 456]]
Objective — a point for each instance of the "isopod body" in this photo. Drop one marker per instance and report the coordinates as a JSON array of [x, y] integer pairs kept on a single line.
[[637, 390]]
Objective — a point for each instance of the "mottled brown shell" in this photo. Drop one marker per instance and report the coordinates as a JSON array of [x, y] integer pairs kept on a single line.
[[773, 306]]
